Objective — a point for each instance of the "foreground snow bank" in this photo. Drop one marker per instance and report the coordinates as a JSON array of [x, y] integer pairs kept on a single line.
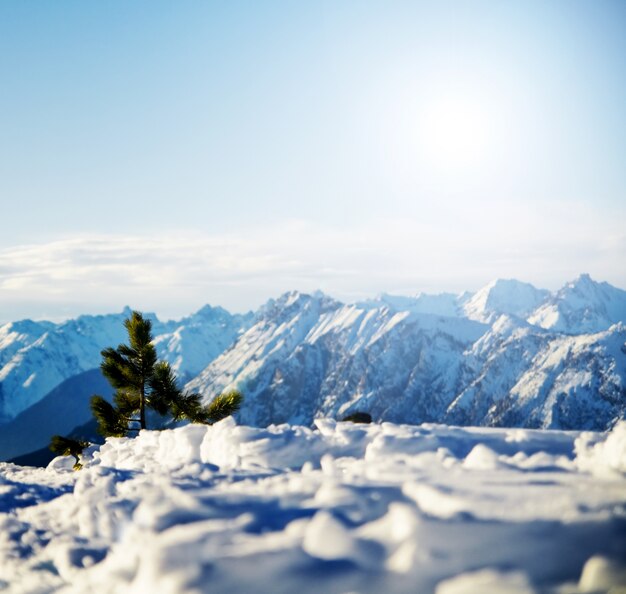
[[603, 456], [337, 509]]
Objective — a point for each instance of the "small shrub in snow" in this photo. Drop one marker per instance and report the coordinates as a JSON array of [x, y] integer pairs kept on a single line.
[[65, 446], [358, 417]]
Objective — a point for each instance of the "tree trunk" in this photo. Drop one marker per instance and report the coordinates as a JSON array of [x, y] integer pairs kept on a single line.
[[142, 406]]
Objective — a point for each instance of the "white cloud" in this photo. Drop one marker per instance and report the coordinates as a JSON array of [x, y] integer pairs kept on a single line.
[[177, 273]]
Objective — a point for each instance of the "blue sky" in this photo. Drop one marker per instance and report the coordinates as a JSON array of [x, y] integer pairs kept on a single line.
[[165, 155]]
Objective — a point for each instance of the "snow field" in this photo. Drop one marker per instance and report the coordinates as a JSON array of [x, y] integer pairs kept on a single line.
[[340, 508]]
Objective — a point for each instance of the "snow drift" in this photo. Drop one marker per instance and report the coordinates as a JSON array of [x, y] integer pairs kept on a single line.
[[338, 508]]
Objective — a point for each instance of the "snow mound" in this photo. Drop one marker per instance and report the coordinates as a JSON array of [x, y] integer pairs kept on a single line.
[[226, 445], [605, 455], [601, 574], [486, 581], [336, 508]]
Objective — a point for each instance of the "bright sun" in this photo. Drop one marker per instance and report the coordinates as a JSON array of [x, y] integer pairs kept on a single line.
[[445, 136], [454, 133]]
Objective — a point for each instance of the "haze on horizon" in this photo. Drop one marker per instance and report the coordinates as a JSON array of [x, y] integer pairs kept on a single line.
[[168, 155]]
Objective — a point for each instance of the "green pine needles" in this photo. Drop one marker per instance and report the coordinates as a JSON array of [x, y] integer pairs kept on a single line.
[[142, 382], [65, 446]]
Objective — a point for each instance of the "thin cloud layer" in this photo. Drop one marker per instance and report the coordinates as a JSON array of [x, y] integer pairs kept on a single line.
[[178, 273]]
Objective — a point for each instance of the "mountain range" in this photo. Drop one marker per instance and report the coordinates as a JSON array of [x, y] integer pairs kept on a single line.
[[506, 355]]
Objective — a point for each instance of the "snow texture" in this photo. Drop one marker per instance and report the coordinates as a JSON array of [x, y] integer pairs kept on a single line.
[[336, 509]]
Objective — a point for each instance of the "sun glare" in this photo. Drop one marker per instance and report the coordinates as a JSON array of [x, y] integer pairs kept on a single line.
[[454, 133], [446, 136]]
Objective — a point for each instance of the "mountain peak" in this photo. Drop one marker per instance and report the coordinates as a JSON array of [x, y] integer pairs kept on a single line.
[[583, 282], [504, 296], [208, 311], [584, 277], [506, 284], [442, 304], [305, 353], [582, 306], [298, 300]]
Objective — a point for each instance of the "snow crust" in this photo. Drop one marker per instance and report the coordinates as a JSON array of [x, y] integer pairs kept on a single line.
[[339, 508]]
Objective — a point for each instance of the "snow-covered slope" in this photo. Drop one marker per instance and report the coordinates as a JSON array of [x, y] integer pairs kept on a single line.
[[496, 357], [253, 363], [59, 412], [581, 307], [36, 357], [308, 357], [199, 338], [443, 304], [503, 297], [341, 508], [526, 376], [17, 335], [58, 353]]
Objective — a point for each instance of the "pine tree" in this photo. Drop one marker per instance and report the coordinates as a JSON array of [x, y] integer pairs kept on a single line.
[[141, 382], [222, 407]]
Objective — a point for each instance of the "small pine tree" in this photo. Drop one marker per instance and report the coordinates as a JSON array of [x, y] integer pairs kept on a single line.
[[65, 446], [143, 382]]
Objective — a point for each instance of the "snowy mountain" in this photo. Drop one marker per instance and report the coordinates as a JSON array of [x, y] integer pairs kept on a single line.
[[308, 356], [17, 335], [190, 344], [36, 357], [525, 376], [507, 355], [443, 304], [581, 307], [500, 296], [254, 361], [58, 412], [510, 297], [37, 362]]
